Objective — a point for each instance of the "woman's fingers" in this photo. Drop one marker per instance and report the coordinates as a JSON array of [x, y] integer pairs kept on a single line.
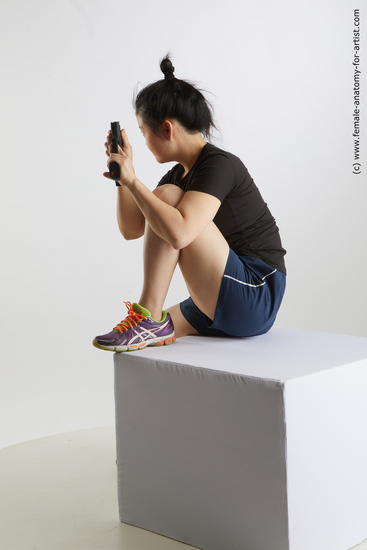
[[123, 157], [126, 144], [108, 144]]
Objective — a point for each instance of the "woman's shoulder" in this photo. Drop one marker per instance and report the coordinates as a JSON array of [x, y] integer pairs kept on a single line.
[[172, 176], [216, 154], [211, 151], [220, 161]]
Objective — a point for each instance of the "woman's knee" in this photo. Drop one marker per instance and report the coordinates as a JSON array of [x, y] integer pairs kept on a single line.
[[169, 193]]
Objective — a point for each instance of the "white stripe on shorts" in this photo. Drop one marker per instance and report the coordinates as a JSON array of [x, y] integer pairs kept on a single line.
[[248, 284]]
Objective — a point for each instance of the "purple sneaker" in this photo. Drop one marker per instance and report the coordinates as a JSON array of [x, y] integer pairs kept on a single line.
[[137, 331]]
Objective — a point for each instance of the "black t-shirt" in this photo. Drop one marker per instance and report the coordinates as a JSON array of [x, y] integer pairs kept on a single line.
[[243, 218]]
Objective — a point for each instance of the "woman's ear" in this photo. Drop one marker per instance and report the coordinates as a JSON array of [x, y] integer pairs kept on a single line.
[[167, 128]]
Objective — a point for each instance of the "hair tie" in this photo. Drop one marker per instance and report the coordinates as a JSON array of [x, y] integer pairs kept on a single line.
[[169, 76]]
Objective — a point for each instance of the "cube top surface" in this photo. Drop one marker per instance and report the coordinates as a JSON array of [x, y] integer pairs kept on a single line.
[[282, 354]]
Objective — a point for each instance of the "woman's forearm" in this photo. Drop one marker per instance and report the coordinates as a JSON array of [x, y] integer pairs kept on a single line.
[[130, 219]]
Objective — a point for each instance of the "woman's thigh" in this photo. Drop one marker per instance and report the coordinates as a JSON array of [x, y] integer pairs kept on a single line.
[[203, 261], [202, 264], [182, 326]]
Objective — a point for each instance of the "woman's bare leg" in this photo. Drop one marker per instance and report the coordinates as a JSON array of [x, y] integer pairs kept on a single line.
[[160, 259], [202, 264], [182, 327]]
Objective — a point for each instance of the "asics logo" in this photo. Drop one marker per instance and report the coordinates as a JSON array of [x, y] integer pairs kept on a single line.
[[144, 333]]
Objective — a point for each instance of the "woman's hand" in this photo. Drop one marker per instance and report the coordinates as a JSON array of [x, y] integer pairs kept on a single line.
[[124, 159]]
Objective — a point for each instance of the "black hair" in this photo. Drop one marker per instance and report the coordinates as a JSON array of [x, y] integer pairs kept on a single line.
[[176, 99]]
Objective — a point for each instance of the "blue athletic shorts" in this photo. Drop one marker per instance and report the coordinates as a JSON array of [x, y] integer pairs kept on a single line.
[[248, 301]]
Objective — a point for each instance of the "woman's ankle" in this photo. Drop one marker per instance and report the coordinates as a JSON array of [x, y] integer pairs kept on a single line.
[[155, 312]]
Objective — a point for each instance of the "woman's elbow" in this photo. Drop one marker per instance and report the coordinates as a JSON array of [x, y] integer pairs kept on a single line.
[[131, 234]]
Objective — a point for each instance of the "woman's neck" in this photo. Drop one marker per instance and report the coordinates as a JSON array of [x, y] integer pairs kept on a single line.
[[189, 151]]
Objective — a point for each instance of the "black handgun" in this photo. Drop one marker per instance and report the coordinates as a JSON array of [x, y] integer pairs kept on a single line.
[[115, 141]]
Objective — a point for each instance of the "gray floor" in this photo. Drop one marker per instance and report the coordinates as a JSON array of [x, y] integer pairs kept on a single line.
[[59, 493]]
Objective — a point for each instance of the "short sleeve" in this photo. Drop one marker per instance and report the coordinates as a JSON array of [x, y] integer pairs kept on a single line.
[[171, 176], [216, 176], [164, 180]]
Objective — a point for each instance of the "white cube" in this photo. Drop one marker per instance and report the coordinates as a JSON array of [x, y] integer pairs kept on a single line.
[[246, 444]]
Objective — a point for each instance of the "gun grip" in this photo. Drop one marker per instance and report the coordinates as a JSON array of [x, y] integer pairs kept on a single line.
[[115, 141], [115, 172]]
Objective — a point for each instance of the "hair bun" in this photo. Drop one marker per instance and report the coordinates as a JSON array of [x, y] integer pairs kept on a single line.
[[174, 99], [167, 68]]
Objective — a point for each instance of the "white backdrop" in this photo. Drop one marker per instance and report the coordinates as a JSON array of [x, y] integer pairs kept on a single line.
[[280, 76]]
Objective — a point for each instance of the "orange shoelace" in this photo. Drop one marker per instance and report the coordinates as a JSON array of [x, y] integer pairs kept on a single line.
[[132, 319]]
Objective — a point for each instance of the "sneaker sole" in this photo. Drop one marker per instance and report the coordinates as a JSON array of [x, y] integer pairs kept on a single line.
[[135, 347]]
